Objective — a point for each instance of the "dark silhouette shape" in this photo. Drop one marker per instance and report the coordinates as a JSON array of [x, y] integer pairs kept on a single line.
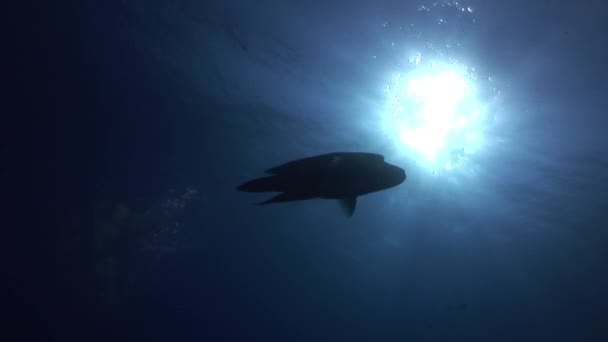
[[341, 175]]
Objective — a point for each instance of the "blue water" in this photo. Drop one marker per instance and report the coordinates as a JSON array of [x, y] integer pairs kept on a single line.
[[165, 107]]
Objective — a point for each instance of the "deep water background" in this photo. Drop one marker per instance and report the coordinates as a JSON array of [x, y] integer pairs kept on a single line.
[[130, 123]]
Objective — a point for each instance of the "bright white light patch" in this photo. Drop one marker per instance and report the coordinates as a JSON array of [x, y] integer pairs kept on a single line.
[[433, 112]]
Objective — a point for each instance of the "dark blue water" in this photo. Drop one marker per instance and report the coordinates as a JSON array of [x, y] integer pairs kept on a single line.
[[139, 118]]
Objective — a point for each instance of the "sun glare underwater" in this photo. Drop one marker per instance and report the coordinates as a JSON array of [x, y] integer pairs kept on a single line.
[[437, 109]]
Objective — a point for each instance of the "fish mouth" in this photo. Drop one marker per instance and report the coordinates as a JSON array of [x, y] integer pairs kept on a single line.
[[402, 175], [398, 174]]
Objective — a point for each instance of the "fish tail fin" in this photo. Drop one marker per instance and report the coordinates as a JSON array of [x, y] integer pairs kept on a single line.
[[285, 197], [262, 184]]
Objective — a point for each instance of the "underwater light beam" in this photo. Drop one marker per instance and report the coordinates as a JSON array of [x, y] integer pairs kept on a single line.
[[434, 112]]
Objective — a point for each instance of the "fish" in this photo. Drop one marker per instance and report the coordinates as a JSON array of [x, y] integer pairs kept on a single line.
[[343, 176]]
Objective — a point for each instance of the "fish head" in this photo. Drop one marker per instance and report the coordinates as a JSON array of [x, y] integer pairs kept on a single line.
[[378, 176], [390, 175], [359, 174]]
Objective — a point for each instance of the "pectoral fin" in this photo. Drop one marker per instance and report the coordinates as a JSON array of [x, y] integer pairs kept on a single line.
[[348, 204]]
